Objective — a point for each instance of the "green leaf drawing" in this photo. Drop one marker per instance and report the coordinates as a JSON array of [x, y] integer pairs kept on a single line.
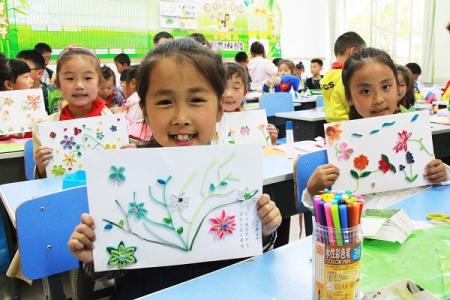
[[393, 168], [412, 179], [365, 174], [385, 158], [386, 124], [354, 174], [212, 187], [167, 220], [180, 230], [358, 135], [121, 223]]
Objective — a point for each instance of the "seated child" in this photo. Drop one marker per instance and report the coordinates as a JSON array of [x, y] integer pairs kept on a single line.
[[367, 73], [416, 72], [406, 88], [108, 92], [285, 80], [235, 91], [313, 83]]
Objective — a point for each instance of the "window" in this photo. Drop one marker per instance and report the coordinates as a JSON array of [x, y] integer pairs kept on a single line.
[[395, 26]]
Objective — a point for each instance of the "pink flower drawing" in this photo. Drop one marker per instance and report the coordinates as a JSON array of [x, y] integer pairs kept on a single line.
[[222, 225], [245, 131], [34, 102], [344, 152], [402, 141]]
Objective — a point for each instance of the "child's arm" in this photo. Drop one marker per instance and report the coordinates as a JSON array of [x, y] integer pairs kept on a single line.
[[323, 177], [269, 214], [273, 131], [436, 171], [42, 155]]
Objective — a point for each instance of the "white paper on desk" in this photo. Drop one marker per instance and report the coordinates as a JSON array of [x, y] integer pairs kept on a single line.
[[244, 127], [72, 139], [300, 148], [20, 109], [392, 225], [175, 205], [401, 290], [380, 154]]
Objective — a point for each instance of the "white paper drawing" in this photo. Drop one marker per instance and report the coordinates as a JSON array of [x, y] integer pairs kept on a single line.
[[244, 127], [380, 154], [20, 109], [72, 139], [176, 205]]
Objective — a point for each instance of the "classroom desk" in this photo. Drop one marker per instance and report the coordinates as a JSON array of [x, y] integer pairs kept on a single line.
[[284, 273], [11, 162], [308, 124]]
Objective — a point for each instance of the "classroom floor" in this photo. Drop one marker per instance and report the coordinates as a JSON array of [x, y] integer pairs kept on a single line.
[[35, 292]]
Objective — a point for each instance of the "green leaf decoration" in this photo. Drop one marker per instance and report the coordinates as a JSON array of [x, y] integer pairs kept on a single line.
[[412, 179], [365, 174], [393, 169], [169, 178], [358, 135], [180, 230], [354, 174], [414, 117], [387, 124], [167, 220], [212, 187], [375, 131], [385, 158], [121, 223], [121, 256]]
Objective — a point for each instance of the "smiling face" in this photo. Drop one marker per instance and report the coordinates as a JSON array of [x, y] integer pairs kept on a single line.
[[234, 93], [23, 82], [373, 90], [78, 79], [181, 105], [107, 88]]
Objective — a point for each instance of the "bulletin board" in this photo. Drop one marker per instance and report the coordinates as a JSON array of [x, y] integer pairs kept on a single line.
[[110, 27]]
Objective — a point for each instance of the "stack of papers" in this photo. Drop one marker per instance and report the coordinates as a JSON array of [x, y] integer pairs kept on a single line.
[[392, 225]]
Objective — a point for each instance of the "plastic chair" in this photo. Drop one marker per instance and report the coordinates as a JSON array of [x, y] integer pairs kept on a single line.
[[276, 102], [304, 166], [29, 160], [44, 226]]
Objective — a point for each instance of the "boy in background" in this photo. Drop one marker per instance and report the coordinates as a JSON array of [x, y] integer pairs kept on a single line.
[[416, 72], [161, 37], [122, 61], [336, 106], [241, 58], [46, 51], [313, 83]]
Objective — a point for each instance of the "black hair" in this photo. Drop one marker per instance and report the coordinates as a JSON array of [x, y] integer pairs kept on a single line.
[[200, 38], [257, 48], [317, 61], [287, 62], [108, 73], [236, 69], [346, 41], [185, 50], [32, 55], [41, 48], [241, 57], [358, 59], [160, 35], [10, 69], [414, 68], [276, 61], [408, 100], [300, 66], [130, 73], [71, 52], [122, 58]]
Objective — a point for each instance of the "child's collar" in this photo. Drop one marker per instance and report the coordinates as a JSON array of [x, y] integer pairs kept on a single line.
[[337, 65]]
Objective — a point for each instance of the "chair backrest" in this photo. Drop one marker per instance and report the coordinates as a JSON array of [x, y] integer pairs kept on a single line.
[[304, 166], [29, 160], [44, 226], [319, 101], [276, 102]]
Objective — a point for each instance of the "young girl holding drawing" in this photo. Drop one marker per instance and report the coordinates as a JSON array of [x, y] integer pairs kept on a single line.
[[78, 77], [235, 91], [371, 86], [181, 84]]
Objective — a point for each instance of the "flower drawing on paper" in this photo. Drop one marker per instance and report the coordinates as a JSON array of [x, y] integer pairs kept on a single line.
[[385, 165], [113, 128], [116, 175], [52, 134], [8, 101], [121, 256], [333, 133], [402, 141], [343, 152], [68, 142], [223, 225], [34, 102], [76, 131], [245, 131], [409, 176], [137, 209], [69, 159], [5, 115], [361, 162], [100, 135], [179, 202], [110, 146], [58, 170], [247, 194]]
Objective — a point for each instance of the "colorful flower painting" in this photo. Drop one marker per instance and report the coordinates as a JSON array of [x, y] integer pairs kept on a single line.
[[121, 256], [223, 225], [333, 133]]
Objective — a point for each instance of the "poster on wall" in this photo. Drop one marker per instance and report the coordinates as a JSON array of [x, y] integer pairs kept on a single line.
[[178, 14]]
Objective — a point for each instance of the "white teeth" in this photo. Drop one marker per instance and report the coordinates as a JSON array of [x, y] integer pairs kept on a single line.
[[183, 137]]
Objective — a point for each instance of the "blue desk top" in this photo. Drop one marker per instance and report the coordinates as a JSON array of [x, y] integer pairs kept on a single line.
[[284, 273]]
